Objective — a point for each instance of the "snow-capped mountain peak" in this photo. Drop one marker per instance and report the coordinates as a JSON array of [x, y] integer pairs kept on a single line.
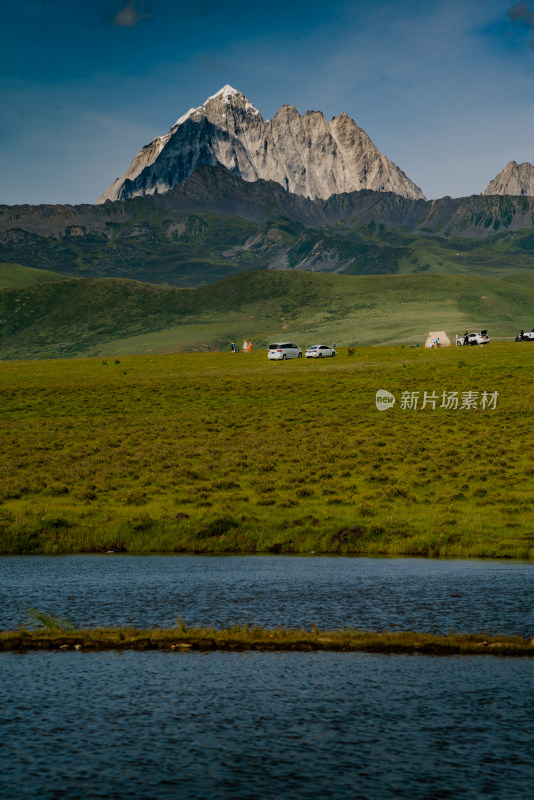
[[307, 155], [226, 92], [227, 96]]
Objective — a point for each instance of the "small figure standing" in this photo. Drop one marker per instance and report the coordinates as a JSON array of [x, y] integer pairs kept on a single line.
[[232, 346], [249, 346], [522, 333], [245, 346]]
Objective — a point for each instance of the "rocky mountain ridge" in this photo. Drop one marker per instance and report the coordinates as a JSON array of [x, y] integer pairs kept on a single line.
[[306, 155], [514, 179], [215, 224], [217, 190]]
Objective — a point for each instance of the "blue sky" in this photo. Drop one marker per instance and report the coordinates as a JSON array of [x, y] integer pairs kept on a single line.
[[444, 88]]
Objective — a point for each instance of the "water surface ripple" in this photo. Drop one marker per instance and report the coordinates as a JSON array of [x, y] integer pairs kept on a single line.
[[278, 725], [331, 592]]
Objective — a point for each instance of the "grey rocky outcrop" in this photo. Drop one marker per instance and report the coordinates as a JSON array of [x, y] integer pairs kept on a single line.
[[515, 179], [306, 155]]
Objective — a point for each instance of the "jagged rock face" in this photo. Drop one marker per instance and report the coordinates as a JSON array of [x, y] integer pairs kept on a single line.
[[307, 155], [515, 179]]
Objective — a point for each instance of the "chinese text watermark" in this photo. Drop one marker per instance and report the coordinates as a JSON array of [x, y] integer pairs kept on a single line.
[[448, 400]]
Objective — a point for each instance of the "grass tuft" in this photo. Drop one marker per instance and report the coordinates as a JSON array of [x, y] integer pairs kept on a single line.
[[49, 622]]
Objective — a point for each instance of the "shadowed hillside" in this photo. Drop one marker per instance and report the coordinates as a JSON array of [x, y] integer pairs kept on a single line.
[[215, 225]]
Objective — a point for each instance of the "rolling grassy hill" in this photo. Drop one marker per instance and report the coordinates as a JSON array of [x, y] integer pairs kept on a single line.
[[13, 276], [114, 316]]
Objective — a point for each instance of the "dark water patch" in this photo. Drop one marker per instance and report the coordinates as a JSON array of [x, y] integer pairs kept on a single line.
[[224, 725]]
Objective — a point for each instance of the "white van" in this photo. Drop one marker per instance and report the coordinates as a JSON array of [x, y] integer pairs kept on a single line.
[[283, 350]]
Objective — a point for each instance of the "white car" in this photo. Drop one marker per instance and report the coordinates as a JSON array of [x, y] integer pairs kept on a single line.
[[320, 351], [279, 351], [473, 338], [525, 337]]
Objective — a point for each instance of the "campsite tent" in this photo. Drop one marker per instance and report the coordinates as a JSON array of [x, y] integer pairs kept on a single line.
[[441, 336]]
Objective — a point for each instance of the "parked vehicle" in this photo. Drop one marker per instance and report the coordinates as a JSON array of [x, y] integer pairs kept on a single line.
[[320, 351], [525, 337], [473, 338], [279, 351]]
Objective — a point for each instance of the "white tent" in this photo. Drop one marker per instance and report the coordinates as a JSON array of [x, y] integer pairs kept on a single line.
[[441, 336]]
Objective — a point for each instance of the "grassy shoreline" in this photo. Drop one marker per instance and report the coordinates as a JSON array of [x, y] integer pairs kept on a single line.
[[222, 453], [243, 638]]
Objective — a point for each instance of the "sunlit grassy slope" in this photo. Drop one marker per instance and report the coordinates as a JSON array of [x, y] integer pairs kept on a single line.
[[217, 452], [13, 276], [115, 317]]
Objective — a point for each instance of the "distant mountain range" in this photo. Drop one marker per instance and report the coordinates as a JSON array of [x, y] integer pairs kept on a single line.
[[237, 212], [216, 224], [225, 191], [307, 155]]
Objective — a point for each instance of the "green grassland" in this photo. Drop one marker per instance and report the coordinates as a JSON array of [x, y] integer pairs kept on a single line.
[[221, 452], [14, 276], [93, 317]]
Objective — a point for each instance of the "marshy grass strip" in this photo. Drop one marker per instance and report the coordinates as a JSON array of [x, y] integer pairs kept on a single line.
[[245, 638]]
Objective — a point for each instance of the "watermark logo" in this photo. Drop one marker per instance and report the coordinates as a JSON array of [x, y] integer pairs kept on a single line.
[[448, 400], [384, 400]]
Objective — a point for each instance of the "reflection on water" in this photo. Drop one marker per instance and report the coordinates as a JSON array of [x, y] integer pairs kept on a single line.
[[331, 592], [277, 725]]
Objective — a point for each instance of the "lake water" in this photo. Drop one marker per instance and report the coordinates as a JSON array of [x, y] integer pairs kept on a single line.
[[370, 593], [267, 725], [277, 725]]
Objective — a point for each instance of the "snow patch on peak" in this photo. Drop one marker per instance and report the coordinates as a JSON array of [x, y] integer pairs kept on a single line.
[[252, 109], [226, 92], [184, 117]]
